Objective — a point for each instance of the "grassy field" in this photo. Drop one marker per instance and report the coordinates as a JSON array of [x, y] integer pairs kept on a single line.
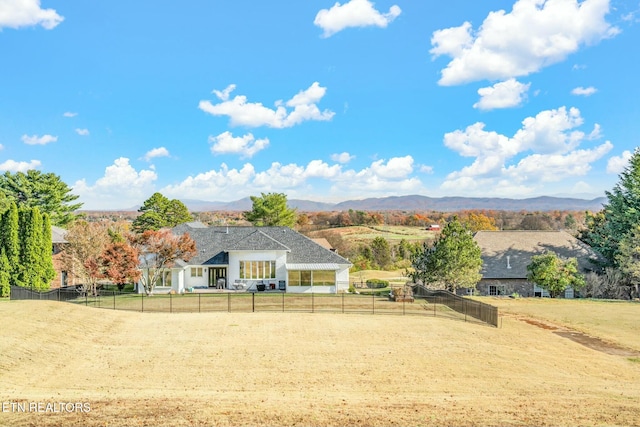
[[305, 369], [392, 233]]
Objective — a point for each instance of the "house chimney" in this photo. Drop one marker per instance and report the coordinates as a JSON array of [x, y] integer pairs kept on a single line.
[[508, 265]]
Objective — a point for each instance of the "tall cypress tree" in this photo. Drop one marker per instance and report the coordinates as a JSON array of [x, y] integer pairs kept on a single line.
[[30, 250], [46, 245], [10, 242], [5, 286]]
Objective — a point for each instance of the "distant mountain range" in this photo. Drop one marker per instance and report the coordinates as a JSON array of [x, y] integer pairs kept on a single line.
[[417, 203]]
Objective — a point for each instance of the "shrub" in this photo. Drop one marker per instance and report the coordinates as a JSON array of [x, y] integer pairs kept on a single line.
[[377, 283]]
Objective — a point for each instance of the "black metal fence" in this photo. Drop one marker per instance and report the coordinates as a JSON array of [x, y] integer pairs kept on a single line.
[[427, 305], [60, 294], [469, 308]]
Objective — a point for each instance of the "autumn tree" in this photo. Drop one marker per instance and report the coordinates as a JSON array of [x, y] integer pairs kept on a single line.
[[477, 221], [158, 251], [81, 256], [270, 209], [159, 212], [554, 274], [454, 261], [120, 263]]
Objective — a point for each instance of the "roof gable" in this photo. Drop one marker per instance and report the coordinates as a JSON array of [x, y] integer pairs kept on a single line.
[[257, 241]]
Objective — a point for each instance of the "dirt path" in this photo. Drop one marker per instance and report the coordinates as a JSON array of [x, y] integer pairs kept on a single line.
[[588, 341]]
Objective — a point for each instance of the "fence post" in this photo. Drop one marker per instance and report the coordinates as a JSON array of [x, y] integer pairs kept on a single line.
[[373, 303], [170, 303], [199, 302], [114, 300], [313, 307], [86, 299], [343, 303], [283, 302], [465, 307], [229, 303], [253, 302], [142, 307]]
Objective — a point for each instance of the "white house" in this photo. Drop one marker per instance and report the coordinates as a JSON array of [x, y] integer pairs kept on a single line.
[[256, 259]]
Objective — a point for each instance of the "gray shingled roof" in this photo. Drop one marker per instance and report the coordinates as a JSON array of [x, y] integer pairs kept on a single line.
[[213, 244], [58, 234], [514, 249]]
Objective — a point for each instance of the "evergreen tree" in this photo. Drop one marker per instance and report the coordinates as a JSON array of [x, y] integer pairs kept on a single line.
[[381, 252], [159, 212], [31, 274], [271, 209], [628, 258], [453, 262], [5, 275], [10, 243], [48, 272], [45, 191], [620, 216]]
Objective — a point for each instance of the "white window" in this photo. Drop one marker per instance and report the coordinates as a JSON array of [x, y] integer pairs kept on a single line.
[[257, 269], [196, 271], [312, 278]]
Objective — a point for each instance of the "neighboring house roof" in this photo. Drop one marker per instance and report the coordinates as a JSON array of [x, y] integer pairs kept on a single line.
[[506, 254], [57, 235], [323, 242], [214, 243]]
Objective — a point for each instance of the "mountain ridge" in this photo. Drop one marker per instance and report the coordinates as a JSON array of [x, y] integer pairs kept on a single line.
[[415, 203]]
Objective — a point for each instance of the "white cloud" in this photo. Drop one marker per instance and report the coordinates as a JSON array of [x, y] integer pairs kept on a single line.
[[545, 149], [426, 169], [343, 157], [246, 145], [354, 13], [1, 147], [120, 187], [69, 114], [507, 94], [27, 13], [223, 95], [556, 167], [82, 132], [38, 140], [243, 113], [384, 178], [584, 91], [13, 166], [617, 164], [535, 34], [156, 152]]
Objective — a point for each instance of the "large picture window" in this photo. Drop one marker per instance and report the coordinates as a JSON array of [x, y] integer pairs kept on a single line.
[[312, 278], [164, 279], [257, 269]]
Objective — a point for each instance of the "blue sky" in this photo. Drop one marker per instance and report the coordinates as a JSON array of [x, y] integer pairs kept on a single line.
[[219, 100]]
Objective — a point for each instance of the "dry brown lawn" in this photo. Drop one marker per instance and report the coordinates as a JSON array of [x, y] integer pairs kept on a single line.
[[304, 369]]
